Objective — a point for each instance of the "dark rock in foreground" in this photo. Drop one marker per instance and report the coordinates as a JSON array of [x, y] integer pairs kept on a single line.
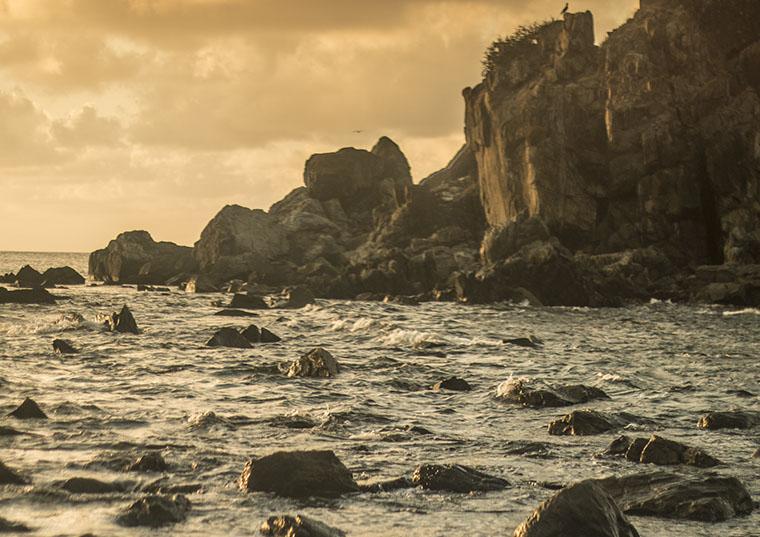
[[455, 478], [298, 474], [298, 526], [581, 510], [62, 276], [660, 451], [29, 410], [589, 422], [228, 337], [729, 420], [521, 393], [123, 322], [659, 494], [315, 363], [61, 346], [155, 511], [454, 384], [150, 462], [26, 296], [9, 476], [6, 526]]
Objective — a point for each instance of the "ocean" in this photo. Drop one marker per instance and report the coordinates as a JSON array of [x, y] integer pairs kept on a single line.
[[207, 410]]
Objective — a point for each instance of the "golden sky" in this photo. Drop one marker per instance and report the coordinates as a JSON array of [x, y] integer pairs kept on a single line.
[[153, 114]]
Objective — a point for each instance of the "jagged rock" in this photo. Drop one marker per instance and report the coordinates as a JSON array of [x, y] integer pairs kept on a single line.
[[28, 410], [252, 334], [61, 346], [454, 384], [155, 511], [10, 477], [268, 337], [150, 462], [248, 301], [521, 393], [62, 276], [235, 313], [86, 485], [8, 277], [659, 494], [123, 322], [298, 474], [134, 257], [316, 363], [455, 478], [26, 296], [660, 451], [729, 420], [200, 284], [580, 510], [29, 277], [6, 526], [298, 526], [589, 422], [228, 337]]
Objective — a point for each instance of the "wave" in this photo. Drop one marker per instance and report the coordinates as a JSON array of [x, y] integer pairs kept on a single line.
[[745, 311]]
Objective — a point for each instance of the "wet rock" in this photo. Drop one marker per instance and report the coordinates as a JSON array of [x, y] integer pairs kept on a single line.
[[454, 384], [8, 431], [150, 462], [756, 454], [10, 477], [123, 322], [61, 346], [298, 526], [155, 511], [581, 510], [295, 298], [269, 337], [26, 296], [152, 289], [29, 277], [298, 474], [528, 449], [236, 313], [316, 363], [729, 420], [589, 422], [455, 478], [6, 526], [200, 284], [8, 277], [85, 485], [531, 342], [162, 487], [247, 301], [386, 485], [659, 494], [62, 276], [660, 451], [228, 337], [29, 410], [633, 453], [252, 334], [521, 393]]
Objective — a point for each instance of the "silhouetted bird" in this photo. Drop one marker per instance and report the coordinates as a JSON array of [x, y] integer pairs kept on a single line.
[[564, 10], [358, 132]]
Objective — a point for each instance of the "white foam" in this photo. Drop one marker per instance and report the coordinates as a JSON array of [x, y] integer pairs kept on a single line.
[[745, 311]]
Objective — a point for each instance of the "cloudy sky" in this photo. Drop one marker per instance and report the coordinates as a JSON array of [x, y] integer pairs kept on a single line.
[[153, 114]]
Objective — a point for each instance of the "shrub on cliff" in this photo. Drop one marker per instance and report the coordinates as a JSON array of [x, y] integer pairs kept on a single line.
[[503, 48]]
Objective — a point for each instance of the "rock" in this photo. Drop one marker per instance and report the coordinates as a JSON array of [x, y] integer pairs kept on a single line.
[[28, 410], [61, 346], [26, 296], [6, 526], [660, 451], [150, 462], [134, 258], [246, 301], [316, 363], [9, 431], [530, 342], [386, 485], [455, 478], [235, 313], [155, 511], [122, 322], [29, 277], [62, 276], [453, 384], [633, 453], [589, 422], [298, 474], [659, 494], [521, 393], [580, 510], [298, 526], [200, 284], [85, 485], [756, 454], [296, 298], [252, 334], [729, 420], [10, 477], [268, 337], [228, 337], [8, 277]]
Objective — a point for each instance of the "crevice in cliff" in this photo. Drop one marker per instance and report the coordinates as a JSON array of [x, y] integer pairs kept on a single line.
[[708, 200]]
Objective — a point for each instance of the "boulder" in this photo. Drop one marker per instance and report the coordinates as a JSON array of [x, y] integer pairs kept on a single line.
[[8, 277], [589, 422], [28, 410], [521, 393], [298, 474], [298, 526], [26, 296], [228, 337], [454, 384], [252, 334], [86, 485], [123, 322], [660, 451], [155, 511], [10, 477], [659, 494], [268, 337], [150, 462], [316, 363], [455, 478], [6, 526], [29, 277], [61, 346], [62, 276], [295, 298], [581, 510], [235, 313], [200, 284], [729, 420], [8, 431], [248, 301]]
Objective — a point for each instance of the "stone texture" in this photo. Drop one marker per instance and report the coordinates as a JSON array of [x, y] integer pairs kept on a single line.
[[298, 526], [316, 363], [455, 478]]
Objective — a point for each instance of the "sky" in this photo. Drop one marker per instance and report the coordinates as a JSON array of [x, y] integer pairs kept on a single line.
[[154, 114]]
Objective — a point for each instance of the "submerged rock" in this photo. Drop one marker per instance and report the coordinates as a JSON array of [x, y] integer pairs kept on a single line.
[[660, 451], [62, 276], [531, 342], [29, 410], [659, 494], [729, 420], [295, 298], [26, 296], [386, 485], [589, 422], [123, 322], [298, 474], [247, 301], [520, 392], [86, 485], [150, 462], [10, 477], [6, 526], [9, 431], [155, 511], [61, 346], [256, 335], [315, 363], [228, 337], [298, 526], [235, 313], [581, 510], [454, 384], [455, 478]]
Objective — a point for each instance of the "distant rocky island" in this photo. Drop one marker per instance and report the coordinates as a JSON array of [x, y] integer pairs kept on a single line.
[[591, 176]]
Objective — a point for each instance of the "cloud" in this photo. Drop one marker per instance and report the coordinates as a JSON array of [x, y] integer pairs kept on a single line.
[[25, 138], [87, 128]]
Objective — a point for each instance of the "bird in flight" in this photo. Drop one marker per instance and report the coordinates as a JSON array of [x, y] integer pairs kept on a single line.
[[358, 131], [564, 10]]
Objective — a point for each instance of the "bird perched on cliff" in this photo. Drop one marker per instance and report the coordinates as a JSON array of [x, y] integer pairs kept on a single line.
[[564, 10]]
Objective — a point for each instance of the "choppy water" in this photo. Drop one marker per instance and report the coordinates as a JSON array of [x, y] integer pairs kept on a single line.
[[124, 394]]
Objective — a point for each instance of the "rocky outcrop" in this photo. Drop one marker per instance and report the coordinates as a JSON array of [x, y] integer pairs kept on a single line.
[[455, 478], [734, 419], [589, 422], [298, 526], [134, 257], [123, 322], [29, 277], [229, 337], [155, 511], [660, 451], [26, 296], [318, 363], [522, 393], [28, 410], [62, 276]]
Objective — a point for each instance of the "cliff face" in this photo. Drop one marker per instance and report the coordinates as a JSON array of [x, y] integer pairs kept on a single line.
[[652, 139]]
